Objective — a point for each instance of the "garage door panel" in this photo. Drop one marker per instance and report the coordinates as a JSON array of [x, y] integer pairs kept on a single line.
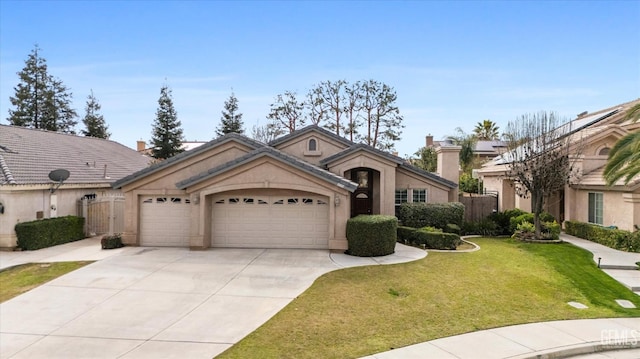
[[270, 221], [165, 221]]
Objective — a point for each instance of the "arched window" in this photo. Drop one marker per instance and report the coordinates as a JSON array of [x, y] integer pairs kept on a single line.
[[604, 151], [313, 145]]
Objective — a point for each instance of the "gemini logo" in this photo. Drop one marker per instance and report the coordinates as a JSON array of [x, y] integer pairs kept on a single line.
[[619, 337]]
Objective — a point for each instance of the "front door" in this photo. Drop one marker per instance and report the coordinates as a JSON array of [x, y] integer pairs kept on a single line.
[[362, 197]]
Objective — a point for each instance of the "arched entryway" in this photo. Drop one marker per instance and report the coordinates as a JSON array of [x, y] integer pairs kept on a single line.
[[363, 198]]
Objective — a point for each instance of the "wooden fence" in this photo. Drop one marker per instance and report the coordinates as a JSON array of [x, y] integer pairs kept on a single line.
[[478, 206], [103, 215]]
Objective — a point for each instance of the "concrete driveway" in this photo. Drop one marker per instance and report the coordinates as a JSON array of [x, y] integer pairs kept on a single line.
[[164, 302]]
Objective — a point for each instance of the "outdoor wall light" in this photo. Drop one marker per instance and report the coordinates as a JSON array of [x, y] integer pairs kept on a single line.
[[1, 208]]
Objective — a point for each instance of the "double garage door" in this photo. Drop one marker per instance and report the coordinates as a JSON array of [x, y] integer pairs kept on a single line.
[[293, 221], [240, 220]]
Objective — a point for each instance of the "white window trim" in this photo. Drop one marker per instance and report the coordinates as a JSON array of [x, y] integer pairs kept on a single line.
[[309, 153], [595, 214]]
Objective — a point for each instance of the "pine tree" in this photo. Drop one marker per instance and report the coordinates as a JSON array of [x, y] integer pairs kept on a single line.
[[41, 101], [167, 131], [93, 120], [231, 120]]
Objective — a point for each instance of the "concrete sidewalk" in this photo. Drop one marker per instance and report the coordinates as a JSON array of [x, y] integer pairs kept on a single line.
[[620, 265], [558, 339], [83, 250], [612, 338]]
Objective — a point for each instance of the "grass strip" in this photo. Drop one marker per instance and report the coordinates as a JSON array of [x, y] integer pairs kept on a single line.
[[20, 279], [359, 311]]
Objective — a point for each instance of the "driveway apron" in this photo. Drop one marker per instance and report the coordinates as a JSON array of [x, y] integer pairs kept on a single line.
[[163, 302]]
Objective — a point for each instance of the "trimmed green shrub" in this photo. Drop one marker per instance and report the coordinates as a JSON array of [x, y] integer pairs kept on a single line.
[[418, 215], [525, 231], [371, 235], [49, 232], [436, 240], [484, 227], [528, 217], [503, 220], [613, 238], [551, 230], [405, 234], [111, 242], [452, 228], [518, 220], [431, 229]]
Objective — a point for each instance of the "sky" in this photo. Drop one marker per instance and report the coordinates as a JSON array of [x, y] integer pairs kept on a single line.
[[451, 63]]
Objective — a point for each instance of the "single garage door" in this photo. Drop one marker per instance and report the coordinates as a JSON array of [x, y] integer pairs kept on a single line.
[[288, 221], [165, 221]]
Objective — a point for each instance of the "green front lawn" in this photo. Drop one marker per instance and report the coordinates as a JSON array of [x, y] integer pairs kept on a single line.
[[17, 280], [364, 310]]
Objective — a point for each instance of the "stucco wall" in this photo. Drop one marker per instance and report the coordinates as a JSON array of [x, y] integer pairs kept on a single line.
[[264, 174], [23, 205], [407, 180], [386, 182], [619, 209], [298, 147], [168, 177]]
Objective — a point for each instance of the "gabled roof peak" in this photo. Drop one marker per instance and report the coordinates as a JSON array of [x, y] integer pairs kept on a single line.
[[307, 129], [251, 143]]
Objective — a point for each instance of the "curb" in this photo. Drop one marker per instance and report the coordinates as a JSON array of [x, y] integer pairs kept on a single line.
[[579, 349]]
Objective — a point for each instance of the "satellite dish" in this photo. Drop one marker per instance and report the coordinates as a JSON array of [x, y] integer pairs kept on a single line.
[[59, 175]]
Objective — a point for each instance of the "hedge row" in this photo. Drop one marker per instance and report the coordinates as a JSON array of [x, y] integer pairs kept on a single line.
[[430, 239], [49, 232], [613, 238], [372, 235], [439, 215]]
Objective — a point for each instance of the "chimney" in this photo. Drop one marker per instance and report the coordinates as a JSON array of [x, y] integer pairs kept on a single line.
[[141, 146], [429, 141], [449, 166]]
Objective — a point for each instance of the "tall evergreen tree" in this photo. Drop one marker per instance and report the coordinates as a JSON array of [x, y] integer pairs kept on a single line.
[[167, 131], [93, 120], [231, 120], [41, 101]]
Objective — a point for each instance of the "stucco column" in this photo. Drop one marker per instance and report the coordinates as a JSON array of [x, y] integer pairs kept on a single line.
[[449, 166], [130, 235]]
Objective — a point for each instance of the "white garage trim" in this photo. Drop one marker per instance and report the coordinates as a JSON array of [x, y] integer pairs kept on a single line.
[[277, 221], [165, 221]]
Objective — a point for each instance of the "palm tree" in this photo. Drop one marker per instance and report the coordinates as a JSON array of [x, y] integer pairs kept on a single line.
[[624, 157], [487, 130], [468, 143]]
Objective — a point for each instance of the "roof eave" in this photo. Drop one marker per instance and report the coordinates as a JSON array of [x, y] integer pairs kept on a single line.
[[182, 185]]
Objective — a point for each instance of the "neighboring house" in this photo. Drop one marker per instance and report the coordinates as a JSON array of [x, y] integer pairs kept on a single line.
[[27, 156], [586, 198], [483, 150], [141, 146], [296, 192]]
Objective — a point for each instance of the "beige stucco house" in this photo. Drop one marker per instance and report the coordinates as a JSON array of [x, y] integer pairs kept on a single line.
[[27, 156], [587, 198], [295, 192]]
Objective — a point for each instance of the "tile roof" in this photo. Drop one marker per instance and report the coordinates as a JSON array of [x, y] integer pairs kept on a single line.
[[358, 147], [399, 161], [28, 155], [253, 144], [307, 129], [432, 176], [278, 155]]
